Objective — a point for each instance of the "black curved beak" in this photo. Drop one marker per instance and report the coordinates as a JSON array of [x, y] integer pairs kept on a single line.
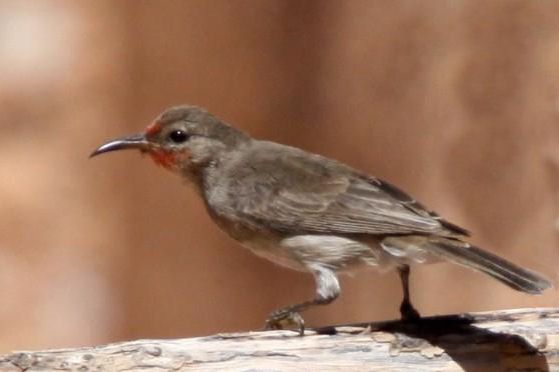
[[135, 141]]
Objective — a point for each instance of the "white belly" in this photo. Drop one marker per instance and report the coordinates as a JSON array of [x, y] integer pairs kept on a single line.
[[337, 253]]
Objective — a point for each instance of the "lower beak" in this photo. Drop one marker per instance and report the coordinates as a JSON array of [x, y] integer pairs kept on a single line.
[[135, 141]]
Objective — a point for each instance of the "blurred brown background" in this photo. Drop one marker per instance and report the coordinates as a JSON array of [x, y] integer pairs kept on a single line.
[[455, 101]]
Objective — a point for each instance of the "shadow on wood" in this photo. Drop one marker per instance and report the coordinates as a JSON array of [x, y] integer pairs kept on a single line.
[[472, 347]]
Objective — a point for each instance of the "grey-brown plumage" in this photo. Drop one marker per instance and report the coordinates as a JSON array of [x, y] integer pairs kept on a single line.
[[308, 212]]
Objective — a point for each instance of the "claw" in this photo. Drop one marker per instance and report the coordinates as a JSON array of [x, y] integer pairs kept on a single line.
[[281, 319]]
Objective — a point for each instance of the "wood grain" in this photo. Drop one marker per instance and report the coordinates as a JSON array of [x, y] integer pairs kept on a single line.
[[522, 339]]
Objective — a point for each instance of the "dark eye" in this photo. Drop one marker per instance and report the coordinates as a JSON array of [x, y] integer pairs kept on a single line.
[[178, 136]]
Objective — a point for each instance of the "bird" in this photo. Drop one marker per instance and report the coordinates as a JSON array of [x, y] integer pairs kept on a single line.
[[308, 212]]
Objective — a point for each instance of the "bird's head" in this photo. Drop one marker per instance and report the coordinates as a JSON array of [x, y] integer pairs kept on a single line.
[[180, 138]]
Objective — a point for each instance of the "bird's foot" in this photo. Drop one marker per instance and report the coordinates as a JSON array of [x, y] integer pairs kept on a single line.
[[285, 318], [408, 312]]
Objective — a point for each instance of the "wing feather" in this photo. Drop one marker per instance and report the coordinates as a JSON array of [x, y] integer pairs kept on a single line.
[[298, 192]]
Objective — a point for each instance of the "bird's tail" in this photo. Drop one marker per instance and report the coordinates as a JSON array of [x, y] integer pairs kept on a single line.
[[475, 258]]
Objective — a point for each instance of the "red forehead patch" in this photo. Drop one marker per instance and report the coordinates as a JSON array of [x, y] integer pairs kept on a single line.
[[153, 128]]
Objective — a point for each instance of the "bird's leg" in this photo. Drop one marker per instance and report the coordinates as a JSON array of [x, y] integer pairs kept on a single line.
[[407, 311], [327, 290]]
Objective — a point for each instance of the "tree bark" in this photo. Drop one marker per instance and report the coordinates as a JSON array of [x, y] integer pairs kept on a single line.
[[522, 339]]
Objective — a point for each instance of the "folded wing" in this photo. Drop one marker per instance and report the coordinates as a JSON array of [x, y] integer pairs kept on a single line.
[[312, 194]]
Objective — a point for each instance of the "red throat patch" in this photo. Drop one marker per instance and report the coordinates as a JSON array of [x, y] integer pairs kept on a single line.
[[164, 158]]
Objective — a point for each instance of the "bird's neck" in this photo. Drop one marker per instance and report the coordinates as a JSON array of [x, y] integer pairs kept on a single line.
[[193, 174], [199, 172], [208, 172]]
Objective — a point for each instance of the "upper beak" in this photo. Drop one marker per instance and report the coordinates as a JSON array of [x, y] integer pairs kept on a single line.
[[135, 141]]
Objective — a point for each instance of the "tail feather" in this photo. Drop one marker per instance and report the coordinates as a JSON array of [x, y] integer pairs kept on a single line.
[[475, 258]]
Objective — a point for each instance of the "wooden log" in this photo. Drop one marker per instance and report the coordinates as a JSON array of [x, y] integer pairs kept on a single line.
[[523, 339]]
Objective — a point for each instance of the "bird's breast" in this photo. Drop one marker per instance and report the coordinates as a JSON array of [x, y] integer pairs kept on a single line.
[[263, 243]]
